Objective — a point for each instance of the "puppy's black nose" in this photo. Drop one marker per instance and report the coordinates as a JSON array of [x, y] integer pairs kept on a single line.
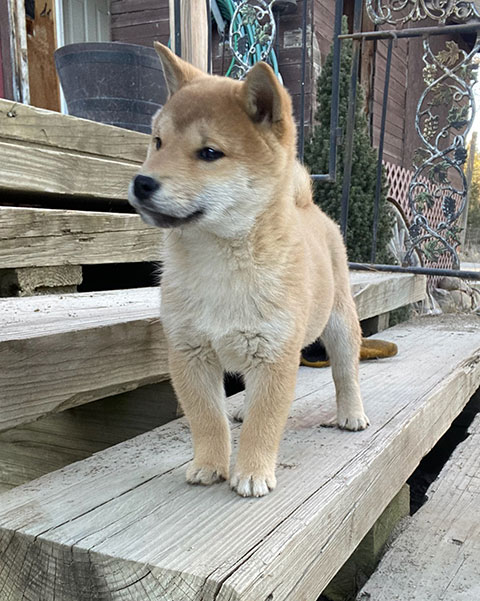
[[144, 186]]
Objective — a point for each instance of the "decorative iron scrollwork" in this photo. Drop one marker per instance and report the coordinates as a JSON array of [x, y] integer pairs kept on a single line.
[[444, 115], [399, 12], [252, 34]]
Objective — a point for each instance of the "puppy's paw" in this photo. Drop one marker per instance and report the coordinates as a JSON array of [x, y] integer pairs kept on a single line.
[[205, 474], [252, 485], [353, 421]]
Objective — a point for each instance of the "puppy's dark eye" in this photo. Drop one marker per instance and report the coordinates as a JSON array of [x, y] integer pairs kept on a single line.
[[209, 154], [158, 143]]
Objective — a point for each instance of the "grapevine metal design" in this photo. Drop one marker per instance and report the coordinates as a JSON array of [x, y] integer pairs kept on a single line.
[[251, 35], [399, 12], [444, 115]]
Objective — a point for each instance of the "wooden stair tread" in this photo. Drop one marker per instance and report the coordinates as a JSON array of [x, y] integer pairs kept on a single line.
[[437, 555], [60, 351], [27, 317], [135, 530], [40, 315], [46, 152], [52, 237]]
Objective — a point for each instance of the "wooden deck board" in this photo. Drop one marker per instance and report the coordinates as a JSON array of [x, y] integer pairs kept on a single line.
[[59, 439], [44, 237], [61, 351], [46, 152], [65, 350], [31, 168], [136, 530], [437, 556], [24, 123]]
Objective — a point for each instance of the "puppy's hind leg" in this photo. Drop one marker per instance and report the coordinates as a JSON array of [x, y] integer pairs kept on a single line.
[[197, 378], [342, 339]]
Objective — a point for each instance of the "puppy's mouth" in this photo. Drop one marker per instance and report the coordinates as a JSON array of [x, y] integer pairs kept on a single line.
[[164, 220]]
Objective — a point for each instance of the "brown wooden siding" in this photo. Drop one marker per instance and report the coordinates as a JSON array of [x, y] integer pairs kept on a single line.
[[396, 102], [140, 21]]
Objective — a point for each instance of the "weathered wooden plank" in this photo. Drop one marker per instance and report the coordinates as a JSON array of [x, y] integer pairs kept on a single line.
[[113, 513], [194, 32], [374, 294], [18, 45], [27, 281], [62, 351], [73, 329], [41, 44], [43, 237], [31, 168], [48, 444], [35, 126], [437, 556]]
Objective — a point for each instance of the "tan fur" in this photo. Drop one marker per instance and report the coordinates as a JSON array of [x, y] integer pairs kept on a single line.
[[259, 275]]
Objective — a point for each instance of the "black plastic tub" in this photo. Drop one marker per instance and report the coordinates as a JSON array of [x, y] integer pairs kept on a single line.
[[111, 82]]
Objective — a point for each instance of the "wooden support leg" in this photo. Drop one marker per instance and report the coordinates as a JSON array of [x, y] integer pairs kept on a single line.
[[29, 281], [376, 324]]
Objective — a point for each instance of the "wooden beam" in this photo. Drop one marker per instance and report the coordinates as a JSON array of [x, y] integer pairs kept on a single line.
[[437, 554], [44, 237], [18, 42], [41, 43], [194, 31], [31, 125], [6, 53], [375, 295], [113, 513], [67, 343], [27, 281]]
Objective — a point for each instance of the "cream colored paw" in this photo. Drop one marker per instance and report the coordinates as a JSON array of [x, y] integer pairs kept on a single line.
[[353, 421], [252, 485], [204, 474]]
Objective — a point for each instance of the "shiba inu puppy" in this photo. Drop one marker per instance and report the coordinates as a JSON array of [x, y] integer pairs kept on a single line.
[[253, 270]]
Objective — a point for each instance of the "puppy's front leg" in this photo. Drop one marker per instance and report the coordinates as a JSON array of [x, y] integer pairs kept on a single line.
[[198, 382], [269, 393]]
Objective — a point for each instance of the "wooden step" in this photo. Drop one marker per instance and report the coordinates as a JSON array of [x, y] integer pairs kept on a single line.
[[124, 525], [52, 237], [58, 352], [46, 152], [437, 556]]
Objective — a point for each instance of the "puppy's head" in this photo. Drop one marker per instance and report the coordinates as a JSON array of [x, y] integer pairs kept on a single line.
[[219, 151]]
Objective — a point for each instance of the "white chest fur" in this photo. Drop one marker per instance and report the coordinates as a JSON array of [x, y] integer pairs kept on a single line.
[[215, 293]]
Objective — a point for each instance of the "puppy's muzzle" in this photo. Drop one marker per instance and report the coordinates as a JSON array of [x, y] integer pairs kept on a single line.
[[144, 186]]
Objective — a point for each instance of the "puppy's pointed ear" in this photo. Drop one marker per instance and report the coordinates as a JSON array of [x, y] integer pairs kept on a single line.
[[177, 71], [265, 98]]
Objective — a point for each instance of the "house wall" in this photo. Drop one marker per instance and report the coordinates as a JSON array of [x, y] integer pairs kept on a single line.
[[139, 21], [396, 119]]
